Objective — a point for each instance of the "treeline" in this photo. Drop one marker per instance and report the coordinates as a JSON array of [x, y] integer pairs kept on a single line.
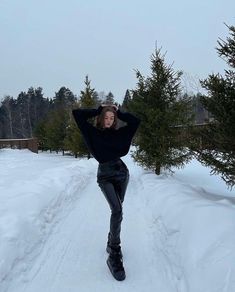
[[49, 119], [19, 117], [167, 136]]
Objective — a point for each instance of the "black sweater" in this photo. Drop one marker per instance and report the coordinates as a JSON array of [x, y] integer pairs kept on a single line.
[[106, 144]]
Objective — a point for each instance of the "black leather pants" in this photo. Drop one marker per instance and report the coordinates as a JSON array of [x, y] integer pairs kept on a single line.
[[113, 178]]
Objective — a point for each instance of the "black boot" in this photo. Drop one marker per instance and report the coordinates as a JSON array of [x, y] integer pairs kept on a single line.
[[115, 246], [109, 249], [115, 264]]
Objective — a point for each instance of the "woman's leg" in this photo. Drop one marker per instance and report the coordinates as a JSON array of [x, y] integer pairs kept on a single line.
[[120, 186], [115, 205], [114, 193]]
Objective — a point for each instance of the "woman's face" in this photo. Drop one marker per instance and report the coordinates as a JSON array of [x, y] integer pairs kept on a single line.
[[108, 119]]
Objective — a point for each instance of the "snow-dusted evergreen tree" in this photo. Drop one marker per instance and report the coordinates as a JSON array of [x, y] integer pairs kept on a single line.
[[156, 100], [220, 103]]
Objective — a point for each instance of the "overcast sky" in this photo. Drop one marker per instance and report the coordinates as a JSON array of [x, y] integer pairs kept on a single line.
[[54, 43]]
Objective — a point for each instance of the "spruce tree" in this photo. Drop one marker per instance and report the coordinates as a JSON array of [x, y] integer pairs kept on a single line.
[[74, 141], [64, 98], [219, 154], [96, 98], [40, 133], [156, 100], [126, 100], [58, 120], [88, 99], [56, 130]]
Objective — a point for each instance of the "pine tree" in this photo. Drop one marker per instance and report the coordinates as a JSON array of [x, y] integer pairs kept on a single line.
[[2, 130], [74, 140], [88, 97], [220, 103], [22, 127], [96, 98], [40, 133], [36, 107], [64, 98], [156, 100], [109, 98], [57, 121], [126, 100], [8, 116]]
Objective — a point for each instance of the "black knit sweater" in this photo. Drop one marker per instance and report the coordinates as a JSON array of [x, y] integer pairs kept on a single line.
[[106, 144]]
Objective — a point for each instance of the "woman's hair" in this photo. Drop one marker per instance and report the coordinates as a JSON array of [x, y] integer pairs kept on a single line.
[[100, 118]]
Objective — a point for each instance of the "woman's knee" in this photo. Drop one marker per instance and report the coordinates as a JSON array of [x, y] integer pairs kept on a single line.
[[117, 213]]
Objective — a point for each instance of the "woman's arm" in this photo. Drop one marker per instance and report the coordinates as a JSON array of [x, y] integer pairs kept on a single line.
[[132, 122], [128, 118], [82, 115]]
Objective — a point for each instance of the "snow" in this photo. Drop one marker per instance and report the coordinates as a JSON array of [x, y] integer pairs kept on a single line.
[[177, 233]]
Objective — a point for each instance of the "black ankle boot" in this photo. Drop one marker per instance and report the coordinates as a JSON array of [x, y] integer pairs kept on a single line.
[[115, 264], [109, 249]]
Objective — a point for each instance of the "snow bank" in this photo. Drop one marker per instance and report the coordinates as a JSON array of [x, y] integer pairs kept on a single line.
[[35, 191], [193, 217]]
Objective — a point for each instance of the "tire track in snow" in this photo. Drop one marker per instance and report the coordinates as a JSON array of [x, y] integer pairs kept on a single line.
[[49, 220], [163, 240]]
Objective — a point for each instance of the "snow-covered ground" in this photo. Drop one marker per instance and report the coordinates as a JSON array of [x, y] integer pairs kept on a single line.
[[178, 232]]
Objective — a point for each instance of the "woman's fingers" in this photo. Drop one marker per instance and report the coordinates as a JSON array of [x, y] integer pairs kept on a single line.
[[115, 107], [110, 105]]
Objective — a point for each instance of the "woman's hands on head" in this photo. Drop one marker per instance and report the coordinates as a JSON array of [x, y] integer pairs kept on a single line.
[[110, 105]]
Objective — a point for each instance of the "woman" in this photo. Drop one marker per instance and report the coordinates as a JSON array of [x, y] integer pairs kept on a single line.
[[107, 144]]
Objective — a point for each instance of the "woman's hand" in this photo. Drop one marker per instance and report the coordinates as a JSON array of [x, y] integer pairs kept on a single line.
[[115, 107], [103, 104], [110, 105]]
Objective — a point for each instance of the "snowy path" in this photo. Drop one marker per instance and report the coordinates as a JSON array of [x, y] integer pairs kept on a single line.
[[74, 257], [177, 233]]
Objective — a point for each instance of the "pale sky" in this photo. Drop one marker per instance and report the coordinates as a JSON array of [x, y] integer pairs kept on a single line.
[[54, 43]]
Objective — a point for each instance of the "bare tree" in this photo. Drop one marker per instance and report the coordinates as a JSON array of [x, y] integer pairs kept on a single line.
[[7, 109]]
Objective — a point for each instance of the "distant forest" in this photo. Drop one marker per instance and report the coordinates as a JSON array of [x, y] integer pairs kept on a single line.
[[20, 116]]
